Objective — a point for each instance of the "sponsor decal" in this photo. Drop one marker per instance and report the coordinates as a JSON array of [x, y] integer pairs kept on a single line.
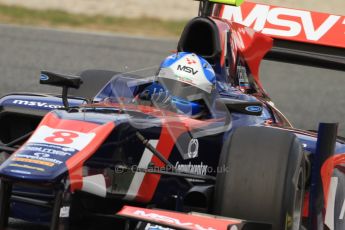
[[20, 171], [27, 167], [44, 77], [254, 109], [242, 77], [191, 61], [170, 220], [64, 211], [193, 148], [299, 25], [36, 104], [43, 155], [68, 149], [60, 137], [47, 155], [185, 80], [156, 227], [187, 69], [39, 162], [178, 220], [200, 169], [47, 150], [42, 159]]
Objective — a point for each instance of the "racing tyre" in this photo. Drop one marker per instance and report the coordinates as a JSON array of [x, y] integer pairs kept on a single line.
[[264, 178], [67, 212], [61, 210], [93, 82]]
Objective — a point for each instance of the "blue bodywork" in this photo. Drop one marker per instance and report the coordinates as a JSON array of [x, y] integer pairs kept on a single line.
[[44, 103]]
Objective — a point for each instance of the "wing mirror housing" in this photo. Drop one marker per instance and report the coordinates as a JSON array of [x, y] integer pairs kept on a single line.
[[61, 80], [253, 108]]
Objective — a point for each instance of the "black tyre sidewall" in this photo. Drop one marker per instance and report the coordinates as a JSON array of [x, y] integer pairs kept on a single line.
[[296, 165], [291, 161]]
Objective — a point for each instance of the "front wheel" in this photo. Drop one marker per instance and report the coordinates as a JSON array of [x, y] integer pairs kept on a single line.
[[61, 211], [67, 212], [265, 179]]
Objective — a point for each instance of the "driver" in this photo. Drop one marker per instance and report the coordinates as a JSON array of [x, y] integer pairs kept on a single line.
[[185, 83]]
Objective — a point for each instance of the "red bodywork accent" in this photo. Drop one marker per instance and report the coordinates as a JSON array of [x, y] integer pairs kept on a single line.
[[177, 220], [327, 172], [53, 121], [75, 163], [172, 129], [173, 126], [223, 30], [305, 212], [165, 145], [252, 45], [289, 24]]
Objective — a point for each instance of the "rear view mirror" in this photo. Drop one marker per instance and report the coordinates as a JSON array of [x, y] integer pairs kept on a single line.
[[60, 80]]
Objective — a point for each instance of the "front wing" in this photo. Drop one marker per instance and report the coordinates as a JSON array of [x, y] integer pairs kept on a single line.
[[186, 221]]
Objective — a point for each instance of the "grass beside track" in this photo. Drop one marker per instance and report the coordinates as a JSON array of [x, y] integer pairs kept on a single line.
[[60, 19]]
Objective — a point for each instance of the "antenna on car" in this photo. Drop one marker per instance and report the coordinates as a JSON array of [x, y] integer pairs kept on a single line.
[[206, 6]]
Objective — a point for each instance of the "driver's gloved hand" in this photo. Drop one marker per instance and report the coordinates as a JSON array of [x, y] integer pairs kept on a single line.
[[155, 93]]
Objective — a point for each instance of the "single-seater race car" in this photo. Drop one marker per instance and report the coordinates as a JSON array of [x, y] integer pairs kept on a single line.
[[193, 144]]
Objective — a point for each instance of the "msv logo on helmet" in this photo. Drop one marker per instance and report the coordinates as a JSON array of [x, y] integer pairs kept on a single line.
[[187, 69]]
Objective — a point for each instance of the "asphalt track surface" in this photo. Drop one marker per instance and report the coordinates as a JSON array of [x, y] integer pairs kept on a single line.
[[305, 95]]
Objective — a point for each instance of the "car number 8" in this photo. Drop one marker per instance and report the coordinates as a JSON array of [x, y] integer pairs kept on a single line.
[[62, 137]]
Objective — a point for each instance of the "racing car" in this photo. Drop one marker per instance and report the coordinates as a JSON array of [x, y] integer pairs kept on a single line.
[[195, 143]]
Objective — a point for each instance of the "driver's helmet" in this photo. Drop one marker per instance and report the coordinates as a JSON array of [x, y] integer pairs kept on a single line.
[[186, 81]]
